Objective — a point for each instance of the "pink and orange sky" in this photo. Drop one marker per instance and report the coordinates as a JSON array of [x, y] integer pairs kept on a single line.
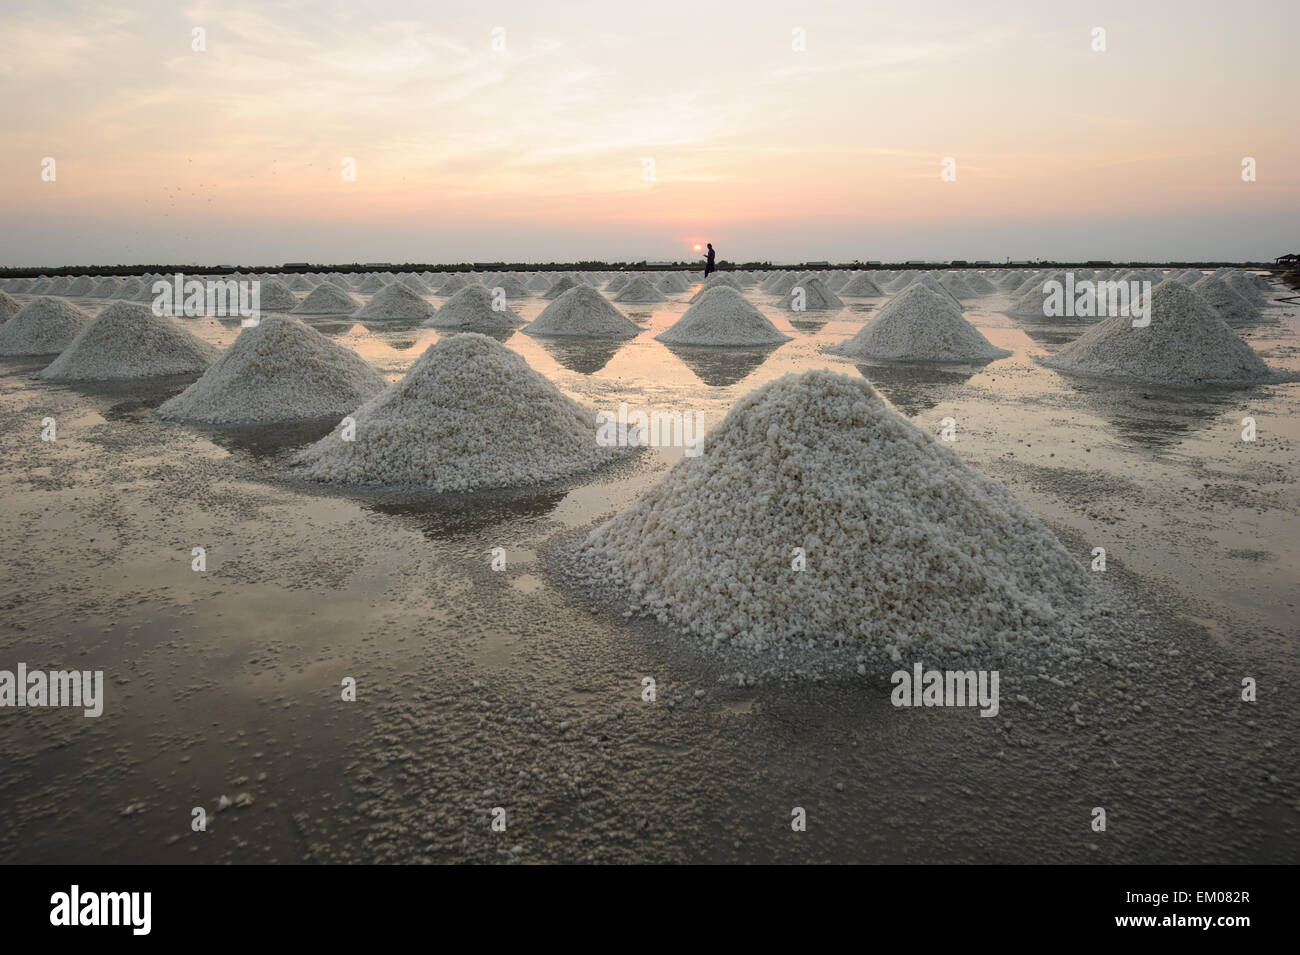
[[520, 131]]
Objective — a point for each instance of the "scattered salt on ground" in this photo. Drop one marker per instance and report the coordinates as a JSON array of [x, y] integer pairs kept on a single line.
[[1227, 301], [471, 307], [397, 300], [327, 299], [275, 296], [44, 326], [582, 312], [906, 547], [722, 316], [861, 286], [279, 370], [469, 414], [640, 289], [562, 285], [920, 325], [126, 341], [811, 294], [1187, 344], [8, 306]]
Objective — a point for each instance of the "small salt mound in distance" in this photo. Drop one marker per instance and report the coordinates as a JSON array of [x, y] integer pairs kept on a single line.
[[513, 288], [469, 414], [1012, 281], [414, 283], [815, 296], [326, 299], [861, 286], [956, 284], [60, 285], [838, 279], [722, 317], [920, 325], [127, 341], [471, 307], [106, 288], [908, 548], [129, 290], [81, 286], [640, 289], [8, 306], [396, 301], [781, 283], [538, 283], [582, 312], [716, 280], [672, 284], [300, 283], [1187, 344], [1229, 303], [904, 279], [371, 283], [1030, 299], [616, 283], [454, 284], [1242, 284], [277, 371], [979, 284], [562, 285], [44, 326], [929, 281], [275, 296]]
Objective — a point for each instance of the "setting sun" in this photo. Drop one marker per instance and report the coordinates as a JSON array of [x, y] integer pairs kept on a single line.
[[696, 247]]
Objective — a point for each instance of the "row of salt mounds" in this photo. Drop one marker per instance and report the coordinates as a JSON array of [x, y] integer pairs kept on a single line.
[[127, 341], [1030, 299], [129, 290], [712, 282], [327, 299], [920, 325], [582, 312], [908, 547], [44, 326], [811, 294], [861, 286], [277, 371], [1187, 344], [397, 300], [562, 285], [469, 414], [107, 287], [9, 306], [1242, 284], [471, 308], [722, 317], [1227, 301], [640, 289]]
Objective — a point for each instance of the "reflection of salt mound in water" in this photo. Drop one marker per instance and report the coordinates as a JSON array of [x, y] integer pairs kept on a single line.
[[278, 370], [640, 290], [811, 294], [721, 367], [8, 307], [562, 285], [471, 307], [714, 281], [582, 312], [396, 301], [327, 299], [44, 326], [919, 325], [586, 356], [1186, 344], [469, 414], [128, 341], [722, 316], [907, 547], [1230, 305], [861, 286], [914, 388]]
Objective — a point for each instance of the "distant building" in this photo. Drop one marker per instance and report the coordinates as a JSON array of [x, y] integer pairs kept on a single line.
[[818, 262], [296, 265], [1291, 258]]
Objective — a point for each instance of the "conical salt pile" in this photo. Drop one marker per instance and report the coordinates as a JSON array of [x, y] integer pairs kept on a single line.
[[129, 290], [781, 283], [1242, 284], [327, 299], [8, 307], [1186, 344], [414, 283], [275, 296], [472, 308], [906, 547], [811, 294], [672, 283], [126, 341], [44, 326], [714, 281], [396, 301], [616, 283], [513, 288], [920, 325], [1227, 301], [582, 312], [279, 370], [371, 283], [723, 317], [640, 289], [861, 286], [300, 283], [978, 284], [955, 283], [1030, 299], [455, 282], [562, 285], [469, 414], [538, 283], [106, 287]]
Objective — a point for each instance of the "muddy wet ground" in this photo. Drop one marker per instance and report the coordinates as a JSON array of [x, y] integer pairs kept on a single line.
[[479, 689]]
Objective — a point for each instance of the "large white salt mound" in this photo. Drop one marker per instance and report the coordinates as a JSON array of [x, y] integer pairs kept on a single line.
[[920, 325], [1227, 301], [861, 286], [513, 288], [906, 547], [128, 341], [722, 316], [327, 299], [8, 307], [1187, 344], [279, 370], [469, 414], [397, 300], [582, 312], [640, 289], [811, 294], [471, 307], [44, 326]]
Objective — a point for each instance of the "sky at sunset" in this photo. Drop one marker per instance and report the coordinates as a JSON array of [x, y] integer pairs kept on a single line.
[[547, 131]]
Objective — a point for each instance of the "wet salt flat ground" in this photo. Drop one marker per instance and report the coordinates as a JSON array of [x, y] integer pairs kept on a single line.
[[479, 689]]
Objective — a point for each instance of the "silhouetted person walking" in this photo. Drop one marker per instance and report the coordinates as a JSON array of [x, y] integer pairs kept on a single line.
[[708, 265]]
